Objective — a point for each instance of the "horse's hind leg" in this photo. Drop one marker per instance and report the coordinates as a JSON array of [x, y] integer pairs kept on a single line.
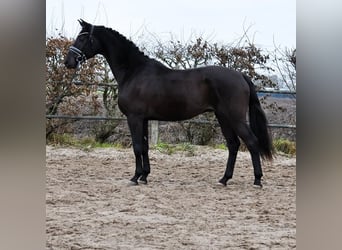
[[233, 144], [246, 134]]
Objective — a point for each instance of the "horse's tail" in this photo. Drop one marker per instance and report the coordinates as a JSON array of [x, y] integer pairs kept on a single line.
[[258, 122]]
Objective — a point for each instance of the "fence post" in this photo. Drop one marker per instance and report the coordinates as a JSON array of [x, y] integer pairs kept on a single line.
[[154, 132]]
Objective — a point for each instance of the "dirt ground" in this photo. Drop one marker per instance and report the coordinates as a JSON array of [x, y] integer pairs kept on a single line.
[[90, 204]]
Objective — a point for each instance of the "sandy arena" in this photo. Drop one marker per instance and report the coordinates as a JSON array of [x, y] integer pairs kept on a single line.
[[90, 204]]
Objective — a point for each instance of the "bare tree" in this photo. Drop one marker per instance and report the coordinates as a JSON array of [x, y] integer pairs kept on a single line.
[[285, 65]]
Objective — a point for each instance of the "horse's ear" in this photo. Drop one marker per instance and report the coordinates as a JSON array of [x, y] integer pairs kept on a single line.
[[82, 22]]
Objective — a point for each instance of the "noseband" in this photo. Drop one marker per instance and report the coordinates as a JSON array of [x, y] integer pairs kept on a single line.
[[81, 57]]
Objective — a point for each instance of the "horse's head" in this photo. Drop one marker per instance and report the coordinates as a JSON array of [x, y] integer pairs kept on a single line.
[[85, 46]]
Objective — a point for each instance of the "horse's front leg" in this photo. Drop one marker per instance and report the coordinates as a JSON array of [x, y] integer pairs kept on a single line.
[[136, 127], [146, 160]]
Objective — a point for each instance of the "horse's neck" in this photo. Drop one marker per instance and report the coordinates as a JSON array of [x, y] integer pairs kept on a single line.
[[121, 65], [118, 72]]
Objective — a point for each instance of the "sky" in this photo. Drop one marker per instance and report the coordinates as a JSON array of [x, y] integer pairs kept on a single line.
[[269, 21]]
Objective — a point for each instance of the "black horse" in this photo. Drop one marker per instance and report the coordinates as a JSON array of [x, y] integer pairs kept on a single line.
[[148, 90]]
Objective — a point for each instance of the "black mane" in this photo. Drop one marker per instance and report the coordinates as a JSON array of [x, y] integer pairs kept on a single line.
[[128, 47]]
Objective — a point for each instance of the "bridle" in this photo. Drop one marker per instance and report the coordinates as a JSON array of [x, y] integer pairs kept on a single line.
[[81, 57]]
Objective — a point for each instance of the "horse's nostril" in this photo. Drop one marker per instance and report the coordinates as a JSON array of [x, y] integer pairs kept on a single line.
[[67, 64]]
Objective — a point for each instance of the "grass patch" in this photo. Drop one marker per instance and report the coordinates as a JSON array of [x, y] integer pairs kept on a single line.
[[170, 149], [84, 143], [186, 147], [220, 146], [62, 139], [163, 148], [285, 146]]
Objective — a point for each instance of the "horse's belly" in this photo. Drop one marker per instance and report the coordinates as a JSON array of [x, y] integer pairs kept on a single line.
[[176, 110]]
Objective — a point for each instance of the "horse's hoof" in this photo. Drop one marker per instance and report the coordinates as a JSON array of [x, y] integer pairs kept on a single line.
[[220, 185], [143, 182], [222, 182], [143, 179], [133, 182], [257, 184]]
